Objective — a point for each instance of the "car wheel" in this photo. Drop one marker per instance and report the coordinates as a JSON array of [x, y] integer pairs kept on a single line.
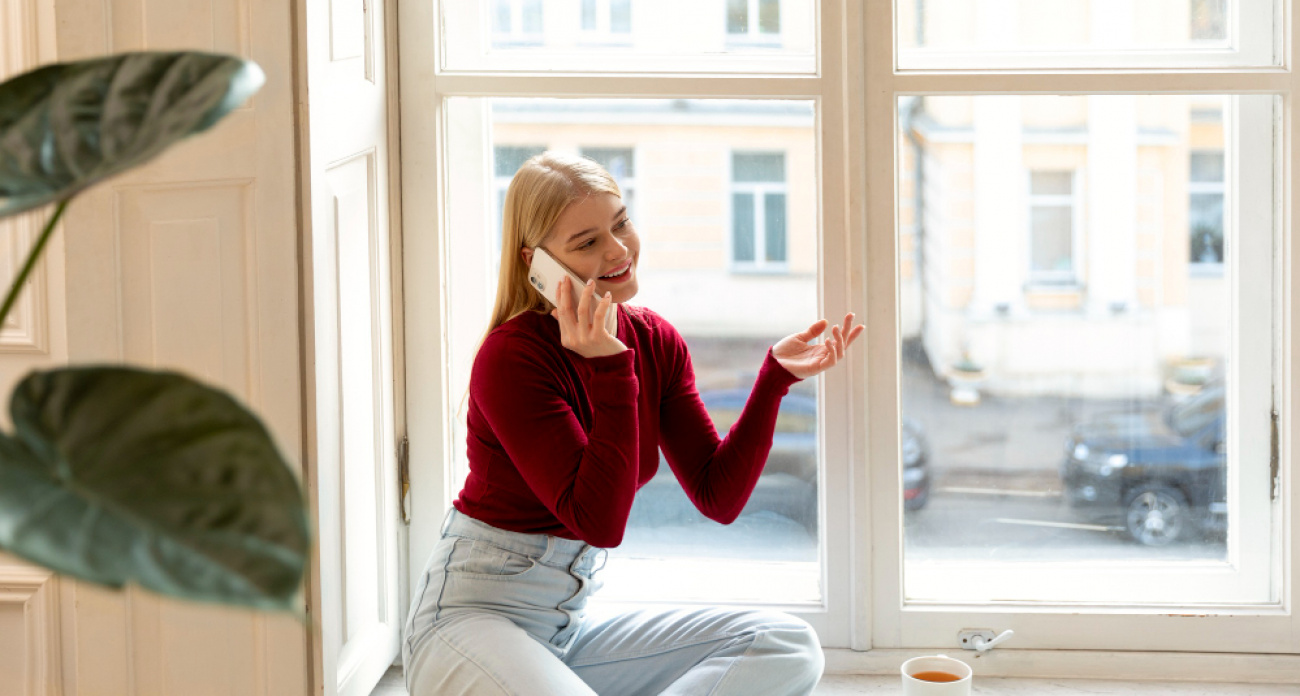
[[1156, 515]]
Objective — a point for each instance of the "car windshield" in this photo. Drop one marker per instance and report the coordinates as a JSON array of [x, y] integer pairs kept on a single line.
[[1197, 412]]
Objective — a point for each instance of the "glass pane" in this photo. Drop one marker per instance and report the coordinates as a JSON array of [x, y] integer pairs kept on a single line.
[[1056, 433], [774, 227], [973, 34], [1051, 183], [508, 158], [769, 16], [680, 153], [1052, 246], [532, 16], [501, 23], [620, 16], [1209, 20], [742, 227], [608, 36], [1206, 220], [765, 167], [1207, 166], [737, 16], [616, 160]]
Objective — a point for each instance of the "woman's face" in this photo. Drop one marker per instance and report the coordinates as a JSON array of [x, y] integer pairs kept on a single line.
[[595, 239]]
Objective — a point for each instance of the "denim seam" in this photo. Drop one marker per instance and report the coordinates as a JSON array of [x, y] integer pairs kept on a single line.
[[735, 661], [615, 657], [474, 662], [437, 608]]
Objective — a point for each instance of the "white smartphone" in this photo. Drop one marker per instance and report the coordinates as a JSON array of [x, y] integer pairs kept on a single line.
[[545, 274]]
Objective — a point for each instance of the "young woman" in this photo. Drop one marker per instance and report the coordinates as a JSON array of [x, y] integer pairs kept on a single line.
[[565, 424]]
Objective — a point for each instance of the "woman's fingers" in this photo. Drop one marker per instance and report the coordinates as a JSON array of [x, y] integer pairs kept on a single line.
[[584, 305]]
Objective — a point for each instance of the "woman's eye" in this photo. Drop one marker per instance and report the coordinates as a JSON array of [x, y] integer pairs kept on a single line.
[[586, 244], [624, 223]]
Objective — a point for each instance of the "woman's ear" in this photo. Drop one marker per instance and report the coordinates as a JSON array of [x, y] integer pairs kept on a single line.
[[527, 255]]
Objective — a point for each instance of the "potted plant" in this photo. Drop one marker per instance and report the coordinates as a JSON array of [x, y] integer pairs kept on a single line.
[[115, 474]]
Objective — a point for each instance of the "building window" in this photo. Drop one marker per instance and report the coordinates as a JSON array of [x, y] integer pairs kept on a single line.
[[758, 211], [1209, 20], [607, 21], [618, 161], [516, 23], [1205, 206], [1052, 225], [754, 21], [506, 160]]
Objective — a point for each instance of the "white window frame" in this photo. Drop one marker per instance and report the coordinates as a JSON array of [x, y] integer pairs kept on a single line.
[[1054, 280], [759, 190], [604, 34], [862, 620], [1251, 43]]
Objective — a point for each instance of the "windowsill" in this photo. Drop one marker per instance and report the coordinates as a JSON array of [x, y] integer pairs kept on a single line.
[[858, 684]]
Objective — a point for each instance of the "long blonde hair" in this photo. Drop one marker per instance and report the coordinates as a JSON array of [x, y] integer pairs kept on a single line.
[[539, 192]]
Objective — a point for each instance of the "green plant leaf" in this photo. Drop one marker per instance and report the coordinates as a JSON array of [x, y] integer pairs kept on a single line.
[[118, 475], [66, 126]]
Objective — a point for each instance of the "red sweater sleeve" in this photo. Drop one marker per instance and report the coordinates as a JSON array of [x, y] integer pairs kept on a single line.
[[586, 479], [719, 475]]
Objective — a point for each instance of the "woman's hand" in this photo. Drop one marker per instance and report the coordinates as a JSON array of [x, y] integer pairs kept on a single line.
[[804, 360], [583, 331]]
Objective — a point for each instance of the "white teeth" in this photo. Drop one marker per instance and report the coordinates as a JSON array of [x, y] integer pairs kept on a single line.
[[615, 275]]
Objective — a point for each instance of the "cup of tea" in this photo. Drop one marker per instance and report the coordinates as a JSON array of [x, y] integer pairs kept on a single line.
[[936, 675]]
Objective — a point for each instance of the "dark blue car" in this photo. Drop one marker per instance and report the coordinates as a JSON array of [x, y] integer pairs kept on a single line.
[[1159, 471]]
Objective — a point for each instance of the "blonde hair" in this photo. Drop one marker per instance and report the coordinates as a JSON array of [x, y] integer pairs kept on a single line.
[[539, 192]]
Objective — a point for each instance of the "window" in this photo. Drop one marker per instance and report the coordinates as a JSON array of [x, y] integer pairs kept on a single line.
[[607, 21], [1065, 425], [754, 21], [1052, 227], [516, 23], [619, 162], [758, 217], [1205, 206]]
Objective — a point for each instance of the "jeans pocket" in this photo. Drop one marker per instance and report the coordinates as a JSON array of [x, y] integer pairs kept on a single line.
[[478, 558]]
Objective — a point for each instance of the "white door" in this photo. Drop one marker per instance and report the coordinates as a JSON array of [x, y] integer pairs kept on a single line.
[[361, 610]]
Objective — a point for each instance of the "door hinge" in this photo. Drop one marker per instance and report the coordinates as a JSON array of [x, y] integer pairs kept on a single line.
[[1274, 484], [404, 478]]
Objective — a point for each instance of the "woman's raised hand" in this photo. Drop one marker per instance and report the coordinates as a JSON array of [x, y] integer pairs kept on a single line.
[[804, 360], [583, 331]]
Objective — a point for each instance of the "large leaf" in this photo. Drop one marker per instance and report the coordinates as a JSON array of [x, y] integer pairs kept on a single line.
[[120, 475], [66, 126]]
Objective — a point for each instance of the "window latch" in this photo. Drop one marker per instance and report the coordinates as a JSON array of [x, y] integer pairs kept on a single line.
[[982, 639]]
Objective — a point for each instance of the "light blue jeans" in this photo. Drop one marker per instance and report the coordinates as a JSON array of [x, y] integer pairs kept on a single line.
[[504, 613]]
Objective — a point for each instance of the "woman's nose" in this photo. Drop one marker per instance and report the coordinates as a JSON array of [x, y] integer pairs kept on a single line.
[[615, 250]]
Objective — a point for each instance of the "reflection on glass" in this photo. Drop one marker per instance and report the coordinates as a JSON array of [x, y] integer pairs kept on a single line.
[[716, 182], [1069, 423]]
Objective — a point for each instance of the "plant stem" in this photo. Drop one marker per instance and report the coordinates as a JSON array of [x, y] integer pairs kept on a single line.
[[32, 257]]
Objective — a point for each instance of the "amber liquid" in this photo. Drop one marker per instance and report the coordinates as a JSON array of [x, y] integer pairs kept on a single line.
[[936, 676]]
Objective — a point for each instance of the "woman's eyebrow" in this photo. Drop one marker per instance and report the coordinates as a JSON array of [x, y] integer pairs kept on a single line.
[[589, 230]]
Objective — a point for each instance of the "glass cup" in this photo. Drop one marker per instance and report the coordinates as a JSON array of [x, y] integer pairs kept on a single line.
[[916, 670]]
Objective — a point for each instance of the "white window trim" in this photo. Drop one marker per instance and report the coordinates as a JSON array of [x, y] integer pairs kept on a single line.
[[860, 621], [1055, 280], [759, 189]]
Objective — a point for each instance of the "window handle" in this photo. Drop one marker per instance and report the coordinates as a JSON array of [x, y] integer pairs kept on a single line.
[[982, 639]]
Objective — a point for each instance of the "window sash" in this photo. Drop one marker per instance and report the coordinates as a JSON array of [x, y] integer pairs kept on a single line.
[[856, 141]]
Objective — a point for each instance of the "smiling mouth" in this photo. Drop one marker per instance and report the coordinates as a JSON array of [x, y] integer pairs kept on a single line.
[[619, 273]]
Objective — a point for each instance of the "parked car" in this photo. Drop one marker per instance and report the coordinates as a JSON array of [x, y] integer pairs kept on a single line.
[[1159, 471]]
